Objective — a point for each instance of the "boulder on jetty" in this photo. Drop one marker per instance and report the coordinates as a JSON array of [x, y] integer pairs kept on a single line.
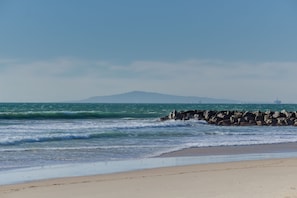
[[237, 118]]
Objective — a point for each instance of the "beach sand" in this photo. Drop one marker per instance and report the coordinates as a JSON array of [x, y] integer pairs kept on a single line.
[[262, 178], [250, 178]]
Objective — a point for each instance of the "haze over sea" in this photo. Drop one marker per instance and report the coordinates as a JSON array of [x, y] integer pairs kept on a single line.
[[43, 134]]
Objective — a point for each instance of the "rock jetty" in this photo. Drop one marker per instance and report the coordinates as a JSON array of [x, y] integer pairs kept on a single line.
[[237, 118]]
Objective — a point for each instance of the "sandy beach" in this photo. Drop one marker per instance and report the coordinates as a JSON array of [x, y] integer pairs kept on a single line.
[[252, 178]]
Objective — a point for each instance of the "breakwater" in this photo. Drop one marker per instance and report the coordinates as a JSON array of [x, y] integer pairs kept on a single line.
[[237, 118]]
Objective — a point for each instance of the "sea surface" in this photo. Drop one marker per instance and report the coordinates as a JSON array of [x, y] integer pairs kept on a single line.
[[45, 134]]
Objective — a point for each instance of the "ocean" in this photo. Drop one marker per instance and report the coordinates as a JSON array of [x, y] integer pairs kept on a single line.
[[49, 134]]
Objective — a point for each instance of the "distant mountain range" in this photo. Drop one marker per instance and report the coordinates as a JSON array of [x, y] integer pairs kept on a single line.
[[150, 97]]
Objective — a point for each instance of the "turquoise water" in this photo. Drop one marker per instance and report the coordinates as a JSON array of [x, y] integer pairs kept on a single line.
[[35, 135]]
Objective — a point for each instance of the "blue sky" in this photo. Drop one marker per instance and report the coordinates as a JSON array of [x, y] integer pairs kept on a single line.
[[53, 50]]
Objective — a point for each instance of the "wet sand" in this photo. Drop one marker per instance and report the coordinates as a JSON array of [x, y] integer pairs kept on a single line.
[[263, 179], [234, 150], [251, 178]]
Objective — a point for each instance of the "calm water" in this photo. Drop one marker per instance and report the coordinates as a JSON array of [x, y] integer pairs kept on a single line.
[[50, 134]]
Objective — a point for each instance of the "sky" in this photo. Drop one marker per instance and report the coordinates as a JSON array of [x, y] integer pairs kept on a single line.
[[53, 50]]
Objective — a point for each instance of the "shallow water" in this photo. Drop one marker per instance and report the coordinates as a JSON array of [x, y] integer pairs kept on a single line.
[[36, 135]]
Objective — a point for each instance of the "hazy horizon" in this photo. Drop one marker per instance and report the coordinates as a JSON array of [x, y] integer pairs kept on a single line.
[[54, 51]]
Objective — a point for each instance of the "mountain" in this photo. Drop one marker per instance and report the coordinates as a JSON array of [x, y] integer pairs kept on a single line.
[[150, 97]]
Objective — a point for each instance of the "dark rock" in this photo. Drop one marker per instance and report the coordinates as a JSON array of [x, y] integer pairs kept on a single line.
[[208, 114], [225, 122], [294, 115], [286, 114], [282, 121], [290, 121], [246, 118]]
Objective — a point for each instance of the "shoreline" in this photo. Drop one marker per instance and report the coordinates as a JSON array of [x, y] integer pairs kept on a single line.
[[260, 171], [253, 178], [183, 157], [234, 150]]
